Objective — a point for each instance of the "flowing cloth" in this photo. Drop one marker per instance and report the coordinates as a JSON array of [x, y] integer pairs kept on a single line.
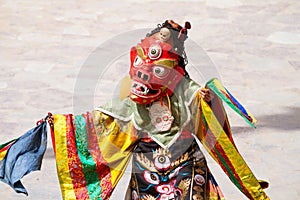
[[93, 149], [92, 152], [21, 156], [219, 143]]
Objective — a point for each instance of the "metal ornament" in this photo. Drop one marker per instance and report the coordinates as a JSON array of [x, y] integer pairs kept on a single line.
[[161, 116]]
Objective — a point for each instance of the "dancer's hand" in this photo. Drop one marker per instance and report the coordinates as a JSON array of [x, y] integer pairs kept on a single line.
[[206, 94], [50, 120]]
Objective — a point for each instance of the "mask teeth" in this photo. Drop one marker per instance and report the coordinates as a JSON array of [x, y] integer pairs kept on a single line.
[[139, 88]]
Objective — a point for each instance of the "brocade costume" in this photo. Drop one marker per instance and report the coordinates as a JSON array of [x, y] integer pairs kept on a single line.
[[159, 125]]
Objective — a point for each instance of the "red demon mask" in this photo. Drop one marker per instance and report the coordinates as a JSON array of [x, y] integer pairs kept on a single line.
[[154, 70]]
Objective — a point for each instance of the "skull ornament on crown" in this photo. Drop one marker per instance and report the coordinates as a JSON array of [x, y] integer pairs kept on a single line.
[[158, 63]]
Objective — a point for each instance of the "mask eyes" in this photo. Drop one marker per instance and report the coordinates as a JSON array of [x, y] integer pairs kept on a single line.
[[151, 177], [137, 61], [154, 52], [160, 72]]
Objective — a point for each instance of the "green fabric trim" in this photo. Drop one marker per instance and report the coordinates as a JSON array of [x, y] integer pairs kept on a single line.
[[88, 164], [228, 170], [216, 90], [7, 143]]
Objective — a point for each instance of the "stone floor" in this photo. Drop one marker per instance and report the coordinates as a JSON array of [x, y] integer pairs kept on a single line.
[[47, 49]]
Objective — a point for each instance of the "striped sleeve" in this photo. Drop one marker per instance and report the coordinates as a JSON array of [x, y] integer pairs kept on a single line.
[[215, 136], [92, 152]]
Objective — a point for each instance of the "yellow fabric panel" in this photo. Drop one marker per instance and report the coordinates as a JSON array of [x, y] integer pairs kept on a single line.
[[236, 160], [116, 143], [62, 157], [2, 154]]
